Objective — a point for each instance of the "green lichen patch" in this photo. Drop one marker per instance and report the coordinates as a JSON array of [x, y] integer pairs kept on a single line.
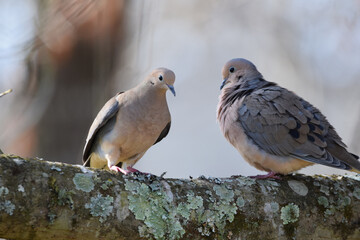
[[193, 203], [106, 184], [220, 211], [65, 198], [246, 181], [342, 202], [325, 189], [100, 206], [155, 208], [83, 182], [224, 193], [356, 193], [323, 201], [290, 213], [240, 202]]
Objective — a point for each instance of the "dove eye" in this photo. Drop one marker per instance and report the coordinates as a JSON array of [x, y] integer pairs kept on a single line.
[[160, 77], [232, 69]]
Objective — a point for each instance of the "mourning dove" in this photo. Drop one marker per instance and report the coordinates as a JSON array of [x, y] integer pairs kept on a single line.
[[274, 129], [130, 123]]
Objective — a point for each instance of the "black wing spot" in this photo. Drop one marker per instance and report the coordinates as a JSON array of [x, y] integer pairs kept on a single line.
[[310, 138], [311, 126], [294, 133], [320, 137]]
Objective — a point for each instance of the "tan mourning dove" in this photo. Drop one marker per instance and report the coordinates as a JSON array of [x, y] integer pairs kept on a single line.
[[130, 123], [274, 129]]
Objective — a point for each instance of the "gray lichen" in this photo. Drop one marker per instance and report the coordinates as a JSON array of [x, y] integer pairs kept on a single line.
[[83, 182], [3, 191], [6, 205], [100, 206], [290, 213], [270, 208], [21, 188], [298, 187]]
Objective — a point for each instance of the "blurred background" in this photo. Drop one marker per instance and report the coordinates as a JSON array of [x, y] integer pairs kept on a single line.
[[65, 59]]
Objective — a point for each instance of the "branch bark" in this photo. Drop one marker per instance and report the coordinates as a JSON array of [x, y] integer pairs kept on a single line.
[[43, 200]]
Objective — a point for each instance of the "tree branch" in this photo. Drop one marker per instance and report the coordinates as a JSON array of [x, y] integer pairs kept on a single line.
[[43, 200]]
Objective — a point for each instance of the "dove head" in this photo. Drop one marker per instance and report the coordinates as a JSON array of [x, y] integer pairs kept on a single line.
[[238, 69], [162, 79]]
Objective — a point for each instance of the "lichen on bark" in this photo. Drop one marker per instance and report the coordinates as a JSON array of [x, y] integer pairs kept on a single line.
[[44, 200]]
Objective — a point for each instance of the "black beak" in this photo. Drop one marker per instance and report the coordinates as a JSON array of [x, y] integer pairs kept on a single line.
[[172, 89], [223, 83]]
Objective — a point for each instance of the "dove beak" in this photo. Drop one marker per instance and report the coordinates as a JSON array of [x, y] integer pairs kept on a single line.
[[223, 83], [172, 89]]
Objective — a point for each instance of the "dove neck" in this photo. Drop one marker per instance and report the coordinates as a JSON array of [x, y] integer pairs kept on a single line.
[[243, 88], [151, 93]]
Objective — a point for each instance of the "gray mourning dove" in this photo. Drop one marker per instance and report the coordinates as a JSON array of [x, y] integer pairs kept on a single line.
[[274, 129], [130, 123]]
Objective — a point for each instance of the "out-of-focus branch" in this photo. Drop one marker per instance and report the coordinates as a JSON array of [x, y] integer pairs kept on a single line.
[[6, 92], [42, 200]]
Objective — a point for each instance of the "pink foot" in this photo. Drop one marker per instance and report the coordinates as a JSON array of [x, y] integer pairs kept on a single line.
[[117, 169], [266, 176]]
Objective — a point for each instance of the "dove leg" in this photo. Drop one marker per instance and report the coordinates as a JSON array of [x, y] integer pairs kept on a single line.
[[117, 169], [266, 176], [112, 159]]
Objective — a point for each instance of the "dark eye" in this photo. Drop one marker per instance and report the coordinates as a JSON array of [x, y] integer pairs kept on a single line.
[[232, 69], [160, 77]]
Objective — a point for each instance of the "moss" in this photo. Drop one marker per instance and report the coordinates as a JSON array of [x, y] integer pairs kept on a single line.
[[290, 213], [100, 206], [83, 182]]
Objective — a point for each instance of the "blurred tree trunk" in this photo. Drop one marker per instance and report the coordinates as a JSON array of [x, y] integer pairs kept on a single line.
[[80, 40], [42, 200]]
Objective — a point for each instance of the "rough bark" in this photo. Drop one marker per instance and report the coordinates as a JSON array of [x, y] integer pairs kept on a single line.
[[44, 200]]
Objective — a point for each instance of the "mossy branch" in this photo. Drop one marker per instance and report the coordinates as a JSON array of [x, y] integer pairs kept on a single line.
[[43, 200]]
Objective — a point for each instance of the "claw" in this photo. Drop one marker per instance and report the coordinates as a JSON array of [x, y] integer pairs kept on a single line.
[[266, 176]]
